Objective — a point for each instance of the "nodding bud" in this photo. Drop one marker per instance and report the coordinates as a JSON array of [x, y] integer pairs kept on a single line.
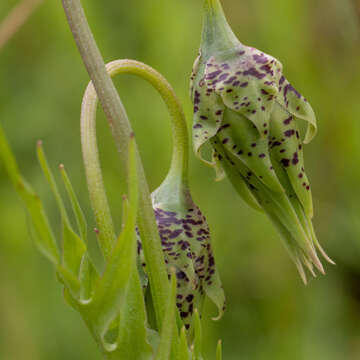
[[186, 244], [249, 113]]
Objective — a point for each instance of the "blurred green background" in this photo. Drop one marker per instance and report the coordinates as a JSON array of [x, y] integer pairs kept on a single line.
[[270, 315]]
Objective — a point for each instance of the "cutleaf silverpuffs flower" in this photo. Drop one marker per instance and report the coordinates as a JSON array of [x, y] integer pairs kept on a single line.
[[248, 112], [186, 244]]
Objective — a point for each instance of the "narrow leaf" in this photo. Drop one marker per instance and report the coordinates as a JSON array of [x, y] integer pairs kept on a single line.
[[79, 215], [111, 289], [43, 233], [164, 349], [183, 346], [87, 277], [132, 343], [50, 179], [73, 246], [73, 249], [197, 336]]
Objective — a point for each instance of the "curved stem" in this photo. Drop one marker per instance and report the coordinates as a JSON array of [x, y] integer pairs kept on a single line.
[[121, 130], [180, 156], [179, 162]]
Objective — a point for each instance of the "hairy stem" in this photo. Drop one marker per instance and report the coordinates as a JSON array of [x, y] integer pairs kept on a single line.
[[121, 130], [179, 163]]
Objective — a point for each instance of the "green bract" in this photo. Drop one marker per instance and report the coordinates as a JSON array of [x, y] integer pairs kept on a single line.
[[186, 243], [248, 112]]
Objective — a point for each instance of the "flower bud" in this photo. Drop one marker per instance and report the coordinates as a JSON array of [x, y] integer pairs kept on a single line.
[[186, 243], [248, 112]]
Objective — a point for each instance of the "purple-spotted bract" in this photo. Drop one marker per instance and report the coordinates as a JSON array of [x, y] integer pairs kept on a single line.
[[249, 113]]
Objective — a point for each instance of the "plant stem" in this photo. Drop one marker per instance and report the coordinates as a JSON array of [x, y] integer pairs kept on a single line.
[[121, 130], [16, 18], [179, 163]]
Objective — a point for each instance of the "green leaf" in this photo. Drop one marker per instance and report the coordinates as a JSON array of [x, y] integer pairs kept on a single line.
[[79, 215], [164, 349], [88, 277], [50, 179], [132, 343], [70, 282], [44, 236], [110, 290], [183, 346], [73, 250], [73, 246], [197, 336]]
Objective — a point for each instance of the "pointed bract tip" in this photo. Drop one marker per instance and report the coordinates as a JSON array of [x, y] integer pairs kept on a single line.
[[315, 260], [39, 143], [132, 135], [124, 197], [301, 271], [324, 254]]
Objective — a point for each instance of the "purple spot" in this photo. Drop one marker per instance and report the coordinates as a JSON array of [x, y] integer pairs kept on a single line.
[[255, 73], [223, 76], [289, 133], [288, 120], [260, 59], [213, 74]]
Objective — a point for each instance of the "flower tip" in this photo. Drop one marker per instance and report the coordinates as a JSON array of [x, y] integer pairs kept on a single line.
[[61, 167], [132, 135], [96, 230], [39, 143]]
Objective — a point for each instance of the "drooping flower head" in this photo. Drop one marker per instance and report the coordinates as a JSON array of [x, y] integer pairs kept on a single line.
[[249, 113], [186, 242]]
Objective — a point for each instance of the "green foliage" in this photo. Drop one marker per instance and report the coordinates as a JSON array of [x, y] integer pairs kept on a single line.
[[112, 303]]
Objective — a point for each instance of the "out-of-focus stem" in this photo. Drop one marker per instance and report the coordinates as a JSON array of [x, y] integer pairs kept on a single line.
[[16, 18]]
